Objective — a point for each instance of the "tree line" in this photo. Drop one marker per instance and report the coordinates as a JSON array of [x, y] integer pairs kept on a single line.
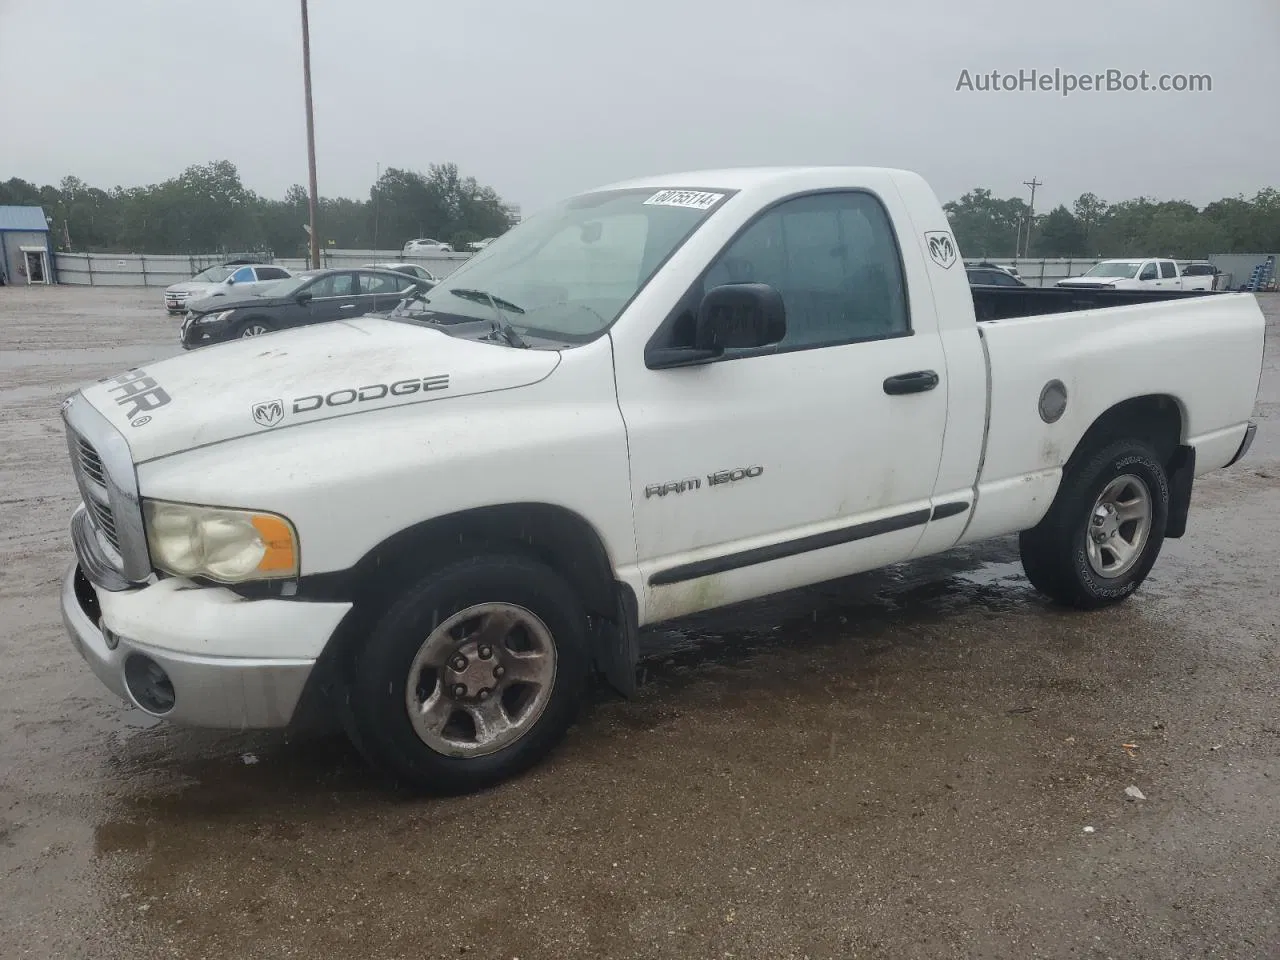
[[207, 209], [988, 226]]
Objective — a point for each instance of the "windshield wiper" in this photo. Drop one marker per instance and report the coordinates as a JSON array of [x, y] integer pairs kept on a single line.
[[409, 298], [501, 325], [485, 297]]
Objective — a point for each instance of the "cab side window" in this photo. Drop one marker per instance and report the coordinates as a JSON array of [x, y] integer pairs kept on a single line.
[[1148, 272], [834, 259], [380, 283], [334, 285], [243, 275], [1167, 270]]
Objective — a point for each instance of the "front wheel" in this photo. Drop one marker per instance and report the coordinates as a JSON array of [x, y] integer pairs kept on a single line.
[[254, 328], [1104, 530], [472, 677]]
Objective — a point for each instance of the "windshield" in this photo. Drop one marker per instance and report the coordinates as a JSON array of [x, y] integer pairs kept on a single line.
[[567, 272], [1127, 269], [214, 274]]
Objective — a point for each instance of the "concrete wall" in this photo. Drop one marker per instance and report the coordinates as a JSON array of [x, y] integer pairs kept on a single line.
[[11, 242], [137, 270]]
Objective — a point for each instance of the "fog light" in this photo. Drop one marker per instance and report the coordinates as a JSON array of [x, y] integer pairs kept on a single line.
[[148, 684], [112, 639]]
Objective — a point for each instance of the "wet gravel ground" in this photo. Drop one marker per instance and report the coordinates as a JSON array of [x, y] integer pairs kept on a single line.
[[928, 761]]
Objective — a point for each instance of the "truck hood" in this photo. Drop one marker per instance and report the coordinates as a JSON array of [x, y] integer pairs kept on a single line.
[[1083, 281], [301, 376]]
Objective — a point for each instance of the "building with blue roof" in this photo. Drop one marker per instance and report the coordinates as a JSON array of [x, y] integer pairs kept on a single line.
[[26, 255]]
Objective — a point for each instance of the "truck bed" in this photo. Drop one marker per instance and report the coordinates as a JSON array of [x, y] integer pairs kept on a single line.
[[1008, 303], [1205, 355]]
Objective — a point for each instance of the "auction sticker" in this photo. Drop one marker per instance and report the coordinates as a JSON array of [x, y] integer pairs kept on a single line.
[[694, 199]]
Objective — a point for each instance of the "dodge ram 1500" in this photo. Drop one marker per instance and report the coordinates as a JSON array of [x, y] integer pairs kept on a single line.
[[651, 399]]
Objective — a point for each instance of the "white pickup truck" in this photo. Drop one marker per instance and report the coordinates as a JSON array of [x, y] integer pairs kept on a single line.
[[1150, 274], [652, 399]]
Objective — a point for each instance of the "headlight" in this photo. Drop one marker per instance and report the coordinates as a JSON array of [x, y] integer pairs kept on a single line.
[[229, 546], [214, 317]]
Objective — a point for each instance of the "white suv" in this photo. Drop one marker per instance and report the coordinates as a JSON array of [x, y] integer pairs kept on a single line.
[[218, 281]]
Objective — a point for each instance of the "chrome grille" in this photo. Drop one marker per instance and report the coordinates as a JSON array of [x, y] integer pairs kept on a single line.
[[91, 463], [109, 535], [93, 489], [102, 517]]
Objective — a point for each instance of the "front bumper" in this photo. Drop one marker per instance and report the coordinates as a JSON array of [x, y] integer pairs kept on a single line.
[[195, 334], [172, 626]]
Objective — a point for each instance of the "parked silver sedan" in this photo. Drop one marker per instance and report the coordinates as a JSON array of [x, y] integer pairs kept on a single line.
[[411, 269]]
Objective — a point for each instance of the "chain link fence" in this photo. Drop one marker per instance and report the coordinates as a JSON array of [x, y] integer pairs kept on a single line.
[[161, 270]]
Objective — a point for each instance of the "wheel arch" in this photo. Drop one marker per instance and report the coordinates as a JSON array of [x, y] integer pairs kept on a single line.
[[1160, 420], [557, 536]]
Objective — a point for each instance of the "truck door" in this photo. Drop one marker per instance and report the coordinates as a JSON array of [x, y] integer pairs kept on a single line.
[[1149, 276], [811, 459], [1169, 277]]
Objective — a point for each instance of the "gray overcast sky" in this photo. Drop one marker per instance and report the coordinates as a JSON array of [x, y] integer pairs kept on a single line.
[[540, 99]]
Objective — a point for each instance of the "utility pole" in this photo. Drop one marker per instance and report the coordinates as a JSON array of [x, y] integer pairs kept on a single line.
[[377, 195], [1031, 213], [312, 200]]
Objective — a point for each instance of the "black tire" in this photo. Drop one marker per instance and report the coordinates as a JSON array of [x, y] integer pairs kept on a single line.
[[377, 717], [1055, 552], [253, 323]]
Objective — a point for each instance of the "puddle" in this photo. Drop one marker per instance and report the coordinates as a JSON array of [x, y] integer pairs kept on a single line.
[[987, 577], [994, 573]]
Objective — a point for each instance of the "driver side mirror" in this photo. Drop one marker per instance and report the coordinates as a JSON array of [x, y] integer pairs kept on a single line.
[[740, 316], [733, 316], [303, 298], [231, 281]]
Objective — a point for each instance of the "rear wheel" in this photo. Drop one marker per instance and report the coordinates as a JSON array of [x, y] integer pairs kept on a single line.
[[1104, 530], [472, 676]]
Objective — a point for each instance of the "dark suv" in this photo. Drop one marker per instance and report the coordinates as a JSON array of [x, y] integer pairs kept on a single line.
[[984, 276]]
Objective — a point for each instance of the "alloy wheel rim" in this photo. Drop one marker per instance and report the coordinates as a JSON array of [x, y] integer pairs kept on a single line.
[[1118, 527], [481, 680]]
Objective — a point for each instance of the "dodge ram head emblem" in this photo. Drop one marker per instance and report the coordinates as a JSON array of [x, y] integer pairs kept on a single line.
[[268, 413], [942, 249]]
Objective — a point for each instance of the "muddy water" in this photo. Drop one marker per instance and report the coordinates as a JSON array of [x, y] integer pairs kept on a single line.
[[902, 764]]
